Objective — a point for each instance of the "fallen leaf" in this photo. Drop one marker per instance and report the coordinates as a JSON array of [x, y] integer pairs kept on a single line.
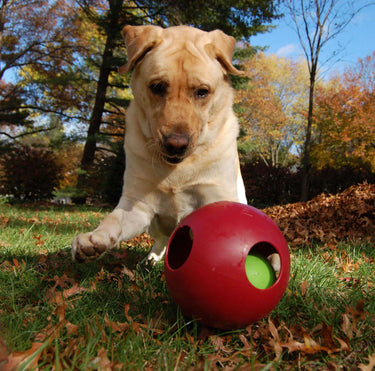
[[370, 366], [28, 358], [71, 328], [304, 286], [101, 361], [116, 326], [3, 352], [75, 289], [218, 343], [129, 273], [39, 242], [275, 341]]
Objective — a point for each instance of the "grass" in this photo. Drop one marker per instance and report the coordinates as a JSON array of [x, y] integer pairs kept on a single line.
[[56, 314]]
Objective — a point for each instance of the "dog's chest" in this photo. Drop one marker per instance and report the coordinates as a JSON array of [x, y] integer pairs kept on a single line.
[[172, 207], [177, 202]]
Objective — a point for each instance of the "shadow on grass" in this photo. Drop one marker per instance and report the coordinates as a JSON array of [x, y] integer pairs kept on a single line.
[[103, 286], [60, 218]]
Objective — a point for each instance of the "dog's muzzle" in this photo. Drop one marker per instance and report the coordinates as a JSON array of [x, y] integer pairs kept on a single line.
[[175, 147]]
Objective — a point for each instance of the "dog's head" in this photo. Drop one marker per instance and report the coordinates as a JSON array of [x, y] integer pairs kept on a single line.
[[180, 84]]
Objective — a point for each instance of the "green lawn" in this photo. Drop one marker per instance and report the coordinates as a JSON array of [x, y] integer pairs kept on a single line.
[[117, 314]]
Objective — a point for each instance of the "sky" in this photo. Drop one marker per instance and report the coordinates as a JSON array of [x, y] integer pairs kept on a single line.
[[357, 39]]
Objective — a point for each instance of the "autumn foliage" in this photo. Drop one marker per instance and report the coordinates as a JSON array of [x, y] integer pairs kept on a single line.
[[270, 107], [345, 118]]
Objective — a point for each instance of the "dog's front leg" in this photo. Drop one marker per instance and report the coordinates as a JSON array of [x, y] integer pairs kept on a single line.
[[123, 223]]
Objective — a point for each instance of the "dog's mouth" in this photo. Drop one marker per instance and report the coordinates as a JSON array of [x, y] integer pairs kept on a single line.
[[173, 159]]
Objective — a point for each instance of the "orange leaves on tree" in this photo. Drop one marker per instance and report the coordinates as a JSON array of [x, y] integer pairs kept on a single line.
[[345, 117], [270, 105]]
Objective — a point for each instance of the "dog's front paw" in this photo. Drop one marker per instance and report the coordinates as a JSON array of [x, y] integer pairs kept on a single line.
[[155, 257], [90, 246], [274, 260]]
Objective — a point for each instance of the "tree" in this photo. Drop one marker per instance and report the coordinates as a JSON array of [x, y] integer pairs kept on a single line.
[[317, 22], [111, 24], [271, 105], [11, 114], [345, 120], [239, 18], [34, 36]]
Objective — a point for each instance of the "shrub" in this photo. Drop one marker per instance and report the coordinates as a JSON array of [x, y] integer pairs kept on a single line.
[[267, 185], [104, 179], [335, 180], [29, 173], [270, 185]]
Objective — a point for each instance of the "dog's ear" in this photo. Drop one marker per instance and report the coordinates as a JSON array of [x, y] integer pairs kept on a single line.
[[221, 48], [139, 40]]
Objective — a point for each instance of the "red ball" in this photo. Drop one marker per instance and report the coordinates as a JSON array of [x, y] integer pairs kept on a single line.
[[205, 264]]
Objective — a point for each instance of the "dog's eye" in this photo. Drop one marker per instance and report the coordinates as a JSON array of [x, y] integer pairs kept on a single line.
[[159, 88], [202, 93]]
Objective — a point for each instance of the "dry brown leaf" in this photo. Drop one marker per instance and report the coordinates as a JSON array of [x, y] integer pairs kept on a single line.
[[370, 366], [101, 362], [275, 341], [218, 343], [116, 326], [3, 352], [71, 328], [347, 326], [75, 289], [129, 273], [304, 286], [16, 359], [245, 342]]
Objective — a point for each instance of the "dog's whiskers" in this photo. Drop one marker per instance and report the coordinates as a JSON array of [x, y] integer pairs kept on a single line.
[[156, 157]]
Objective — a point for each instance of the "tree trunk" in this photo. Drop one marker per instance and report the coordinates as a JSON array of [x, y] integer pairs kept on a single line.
[[307, 146], [97, 112], [106, 67]]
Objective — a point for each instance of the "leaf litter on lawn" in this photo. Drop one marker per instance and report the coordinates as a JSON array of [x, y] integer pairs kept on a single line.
[[63, 341]]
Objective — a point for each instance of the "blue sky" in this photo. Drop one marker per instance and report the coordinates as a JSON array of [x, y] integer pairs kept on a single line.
[[358, 41]]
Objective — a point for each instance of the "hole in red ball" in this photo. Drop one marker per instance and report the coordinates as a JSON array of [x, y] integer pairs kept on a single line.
[[260, 265], [180, 247], [263, 248]]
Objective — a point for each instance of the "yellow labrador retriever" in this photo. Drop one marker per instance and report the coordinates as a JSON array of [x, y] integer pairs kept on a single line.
[[180, 143]]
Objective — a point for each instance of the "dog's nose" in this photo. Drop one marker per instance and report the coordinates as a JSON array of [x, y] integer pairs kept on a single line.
[[176, 144]]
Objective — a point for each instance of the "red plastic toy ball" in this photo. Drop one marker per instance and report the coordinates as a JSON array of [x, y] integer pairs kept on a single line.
[[212, 257]]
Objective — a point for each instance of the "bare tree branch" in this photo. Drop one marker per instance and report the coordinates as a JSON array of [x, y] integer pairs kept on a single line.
[[24, 134]]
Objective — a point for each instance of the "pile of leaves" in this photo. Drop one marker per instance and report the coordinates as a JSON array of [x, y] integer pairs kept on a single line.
[[349, 215]]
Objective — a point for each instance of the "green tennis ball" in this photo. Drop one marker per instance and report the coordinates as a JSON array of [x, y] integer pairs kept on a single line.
[[259, 271]]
